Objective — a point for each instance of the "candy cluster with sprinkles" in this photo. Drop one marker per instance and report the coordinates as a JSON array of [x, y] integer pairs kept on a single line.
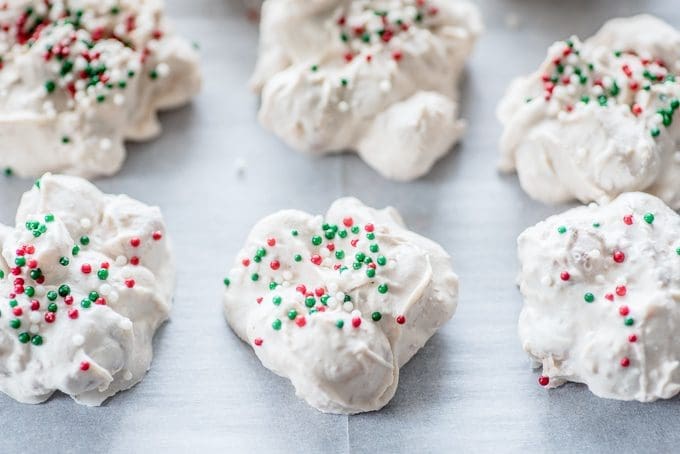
[[601, 285], [573, 78], [366, 30], [93, 72], [73, 291], [374, 67], [599, 117], [353, 280]]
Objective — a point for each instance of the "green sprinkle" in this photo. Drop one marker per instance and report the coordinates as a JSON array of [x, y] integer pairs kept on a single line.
[[86, 303], [382, 288], [64, 290], [64, 261], [277, 300], [297, 258], [254, 277], [50, 86], [261, 252], [561, 230], [292, 314], [310, 302], [589, 297], [376, 316], [370, 272], [75, 250], [226, 281], [316, 240], [340, 324], [92, 296], [103, 274], [84, 240], [629, 321], [273, 285], [655, 132], [37, 340], [382, 261], [52, 307], [52, 295], [49, 218], [374, 248], [276, 324], [339, 254], [15, 323], [24, 338], [294, 232], [29, 291], [649, 218]]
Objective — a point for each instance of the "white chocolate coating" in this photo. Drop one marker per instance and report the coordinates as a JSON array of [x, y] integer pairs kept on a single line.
[[55, 333], [586, 125], [601, 299], [335, 76], [361, 307], [95, 74]]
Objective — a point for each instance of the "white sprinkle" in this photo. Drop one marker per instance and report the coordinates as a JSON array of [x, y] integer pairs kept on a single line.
[[105, 144], [113, 297], [34, 317], [287, 275], [347, 306], [163, 69], [241, 166], [78, 340], [118, 99], [85, 223], [385, 86], [125, 324], [121, 260], [105, 289], [547, 280], [128, 375], [343, 106]]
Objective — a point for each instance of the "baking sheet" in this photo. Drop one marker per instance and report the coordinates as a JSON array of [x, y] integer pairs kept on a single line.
[[215, 172]]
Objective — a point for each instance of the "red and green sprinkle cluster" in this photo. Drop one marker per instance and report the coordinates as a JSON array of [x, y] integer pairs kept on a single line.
[[358, 32], [334, 246], [76, 64], [586, 83], [619, 292], [26, 273]]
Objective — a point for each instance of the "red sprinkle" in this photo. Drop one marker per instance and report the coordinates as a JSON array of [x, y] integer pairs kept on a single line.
[[356, 322], [316, 259], [625, 362], [401, 319], [628, 219], [623, 310], [84, 366], [565, 276], [129, 283], [258, 341], [300, 321], [619, 256], [35, 305], [157, 235], [73, 314], [275, 265], [348, 222], [621, 290], [632, 338], [50, 317], [271, 242], [86, 268], [543, 380], [135, 242]]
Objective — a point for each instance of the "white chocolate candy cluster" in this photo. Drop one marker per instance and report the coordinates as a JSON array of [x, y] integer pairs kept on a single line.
[[601, 288], [79, 77], [599, 117], [378, 77], [86, 279], [337, 304]]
